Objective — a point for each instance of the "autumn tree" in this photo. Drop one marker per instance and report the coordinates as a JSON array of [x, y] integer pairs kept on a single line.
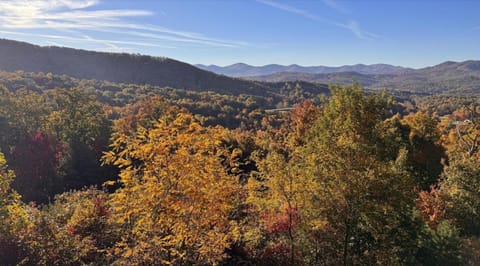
[[13, 218], [281, 196], [467, 130], [53, 140], [25, 112], [239, 159], [457, 201], [425, 152], [176, 197], [342, 193], [302, 118], [144, 113], [279, 191], [36, 161], [71, 231]]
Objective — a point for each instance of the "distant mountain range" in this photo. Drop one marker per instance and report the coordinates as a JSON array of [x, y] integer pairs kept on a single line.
[[129, 68], [448, 77], [244, 70]]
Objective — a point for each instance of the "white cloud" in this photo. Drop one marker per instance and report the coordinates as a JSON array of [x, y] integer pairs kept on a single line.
[[76, 17]]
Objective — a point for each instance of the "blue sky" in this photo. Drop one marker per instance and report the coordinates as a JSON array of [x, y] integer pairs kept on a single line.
[[412, 33]]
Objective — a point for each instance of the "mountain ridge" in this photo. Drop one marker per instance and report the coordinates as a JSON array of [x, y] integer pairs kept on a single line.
[[120, 68], [446, 77], [245, 70]]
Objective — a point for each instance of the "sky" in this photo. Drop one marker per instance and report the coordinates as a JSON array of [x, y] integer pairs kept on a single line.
[[410, 33]]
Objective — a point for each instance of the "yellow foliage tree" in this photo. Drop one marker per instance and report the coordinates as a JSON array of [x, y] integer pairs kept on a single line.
[[13, 217], [176, 198]]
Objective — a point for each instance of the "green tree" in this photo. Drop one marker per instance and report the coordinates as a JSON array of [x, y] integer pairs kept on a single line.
[[362, 193], [344, 187], [80, 122], [460, 192]]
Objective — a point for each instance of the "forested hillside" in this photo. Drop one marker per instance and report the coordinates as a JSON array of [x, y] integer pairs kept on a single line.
[[99, 173], [216, 108], [448, 77], [120, 68]]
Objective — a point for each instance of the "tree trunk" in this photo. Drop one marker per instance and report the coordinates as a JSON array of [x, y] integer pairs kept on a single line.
[[345, 244]]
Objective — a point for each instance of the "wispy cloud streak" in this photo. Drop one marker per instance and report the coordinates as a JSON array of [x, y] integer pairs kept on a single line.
[[354, 27], [350, 25], [76, 17], [290, 9], [85, 38]]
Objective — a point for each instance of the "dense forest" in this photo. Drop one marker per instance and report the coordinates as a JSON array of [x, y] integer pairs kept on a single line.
[[96, 173]]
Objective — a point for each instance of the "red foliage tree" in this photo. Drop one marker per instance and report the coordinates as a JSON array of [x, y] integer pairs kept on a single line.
[[430, 205], [36, 161]]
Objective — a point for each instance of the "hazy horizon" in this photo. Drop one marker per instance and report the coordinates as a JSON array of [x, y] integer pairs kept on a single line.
[[252, 65], [256, 32]]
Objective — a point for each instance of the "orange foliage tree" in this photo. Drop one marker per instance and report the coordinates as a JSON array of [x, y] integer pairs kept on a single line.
[[176, 198]]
